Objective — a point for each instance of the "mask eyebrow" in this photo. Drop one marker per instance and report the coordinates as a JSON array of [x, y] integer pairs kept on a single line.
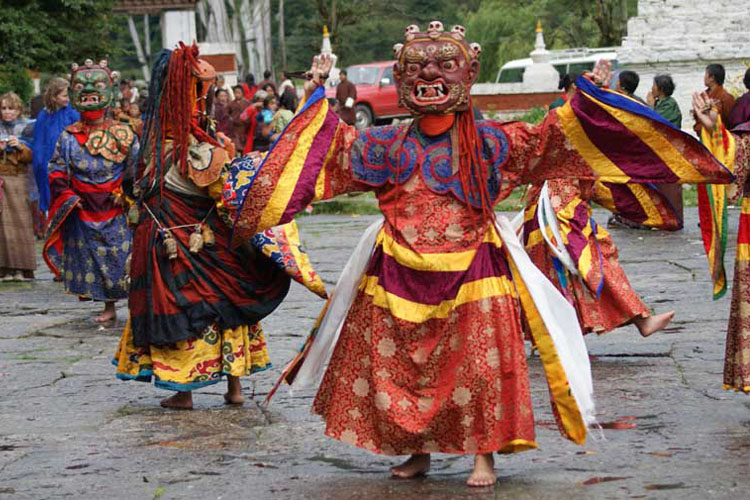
[[415, 55], [447, 51]]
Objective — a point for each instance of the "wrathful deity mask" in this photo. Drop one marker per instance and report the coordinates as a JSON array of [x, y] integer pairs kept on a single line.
[[435, 69], [92, 86]]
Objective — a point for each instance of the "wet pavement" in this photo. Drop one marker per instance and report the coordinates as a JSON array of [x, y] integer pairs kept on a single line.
[[69, 429]]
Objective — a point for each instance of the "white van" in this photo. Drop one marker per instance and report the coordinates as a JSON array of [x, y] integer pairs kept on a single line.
[[564, 61]]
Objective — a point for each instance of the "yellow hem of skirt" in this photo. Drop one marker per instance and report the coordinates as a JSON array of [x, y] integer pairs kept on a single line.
[[517, 446], [745, 389]]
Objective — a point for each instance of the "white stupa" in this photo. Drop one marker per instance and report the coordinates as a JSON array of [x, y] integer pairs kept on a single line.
[[541, 76], [333, 75]]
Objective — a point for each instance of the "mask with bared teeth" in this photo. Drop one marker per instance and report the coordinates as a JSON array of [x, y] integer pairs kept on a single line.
[[435, 69], [92, 86]]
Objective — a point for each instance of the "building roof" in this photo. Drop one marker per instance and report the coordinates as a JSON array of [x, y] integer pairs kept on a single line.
[[151, 6]]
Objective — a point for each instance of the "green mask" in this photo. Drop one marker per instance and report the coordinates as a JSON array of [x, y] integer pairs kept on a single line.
[[91, 88]]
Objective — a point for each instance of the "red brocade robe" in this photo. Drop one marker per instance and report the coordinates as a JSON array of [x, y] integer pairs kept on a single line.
[[431, 354]]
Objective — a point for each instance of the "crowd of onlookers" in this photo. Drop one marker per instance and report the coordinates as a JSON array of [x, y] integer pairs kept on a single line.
[[253, 115]]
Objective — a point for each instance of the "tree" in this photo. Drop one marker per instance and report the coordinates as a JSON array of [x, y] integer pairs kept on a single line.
[[48, 35], [505, 28], [361, 30]]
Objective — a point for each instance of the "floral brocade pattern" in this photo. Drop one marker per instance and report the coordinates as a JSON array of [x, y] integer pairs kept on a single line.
[[737, 357], [196, 362], [458, 385]]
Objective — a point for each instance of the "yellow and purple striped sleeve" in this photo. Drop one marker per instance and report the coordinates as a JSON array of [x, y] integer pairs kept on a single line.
[[608, 137], [308, 162]]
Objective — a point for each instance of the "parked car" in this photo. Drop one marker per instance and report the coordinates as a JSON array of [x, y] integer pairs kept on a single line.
[[377, 99]]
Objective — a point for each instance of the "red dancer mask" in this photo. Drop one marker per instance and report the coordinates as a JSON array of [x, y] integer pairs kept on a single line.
[[435, 69]]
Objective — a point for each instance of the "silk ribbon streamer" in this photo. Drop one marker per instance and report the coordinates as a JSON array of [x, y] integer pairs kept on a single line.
[[561, 322], [320, 350]]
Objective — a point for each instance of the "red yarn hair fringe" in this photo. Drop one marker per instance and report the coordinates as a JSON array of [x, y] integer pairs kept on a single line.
[[473, 170], [177, 105]]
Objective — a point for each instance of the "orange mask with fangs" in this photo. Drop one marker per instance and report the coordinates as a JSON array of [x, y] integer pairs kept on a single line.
[[435, 70]]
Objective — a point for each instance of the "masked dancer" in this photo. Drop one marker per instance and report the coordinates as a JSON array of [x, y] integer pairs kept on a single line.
[[88, 239], [196, 302], [427, 341]]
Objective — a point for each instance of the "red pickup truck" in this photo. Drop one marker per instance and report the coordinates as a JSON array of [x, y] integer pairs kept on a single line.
[[376, 93]]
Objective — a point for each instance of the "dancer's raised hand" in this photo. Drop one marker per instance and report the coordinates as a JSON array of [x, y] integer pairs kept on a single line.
[[704, 111], [318, 73], [602, 73]]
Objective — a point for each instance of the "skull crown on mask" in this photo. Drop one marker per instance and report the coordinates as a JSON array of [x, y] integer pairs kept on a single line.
[[435, 69]]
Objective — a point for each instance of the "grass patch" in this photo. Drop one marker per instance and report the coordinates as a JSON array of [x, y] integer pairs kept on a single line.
[[689, 196], [26, 357]]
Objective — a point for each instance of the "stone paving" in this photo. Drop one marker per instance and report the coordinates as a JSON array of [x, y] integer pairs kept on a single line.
[[69, 429]]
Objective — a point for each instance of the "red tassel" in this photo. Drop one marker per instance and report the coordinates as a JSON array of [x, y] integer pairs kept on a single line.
[[472, 168]]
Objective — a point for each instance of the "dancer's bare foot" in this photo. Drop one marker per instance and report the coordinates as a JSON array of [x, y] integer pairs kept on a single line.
[[416, 465], [180, 401], [234, 396], [484, 471], [109, 315], [653, 324]]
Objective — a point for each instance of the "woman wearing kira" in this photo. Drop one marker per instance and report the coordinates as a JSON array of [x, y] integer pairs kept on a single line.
[[17, 243]]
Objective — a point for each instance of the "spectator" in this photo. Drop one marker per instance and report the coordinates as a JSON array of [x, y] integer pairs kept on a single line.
[[248, 87], [221, 112], [267, 80], [627, 83], [263, 133], [17, 245], [125, 91], [286, 83], [134, 113], [287, 105], [134, 93], [346, 96], [568, 86], [239, 128], [250, 117], [741, 110], [269, 89], [56, 115], [36, 106], [661, 100], [723, 100], [122, 113], [221, 84], [270, 105]]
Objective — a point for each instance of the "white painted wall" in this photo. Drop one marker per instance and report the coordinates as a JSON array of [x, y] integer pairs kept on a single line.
[[681, 37], [177, 26]]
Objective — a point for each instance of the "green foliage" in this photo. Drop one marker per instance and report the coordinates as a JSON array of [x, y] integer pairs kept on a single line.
[[533, 116], [361, 30], [48, 35], [365, 30], [506, 28], [16, 79]]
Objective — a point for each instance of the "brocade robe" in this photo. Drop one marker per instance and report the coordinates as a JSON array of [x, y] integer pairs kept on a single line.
[[88, 238]]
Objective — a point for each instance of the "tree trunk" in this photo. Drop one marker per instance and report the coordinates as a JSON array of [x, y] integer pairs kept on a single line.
[[282, 36]]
